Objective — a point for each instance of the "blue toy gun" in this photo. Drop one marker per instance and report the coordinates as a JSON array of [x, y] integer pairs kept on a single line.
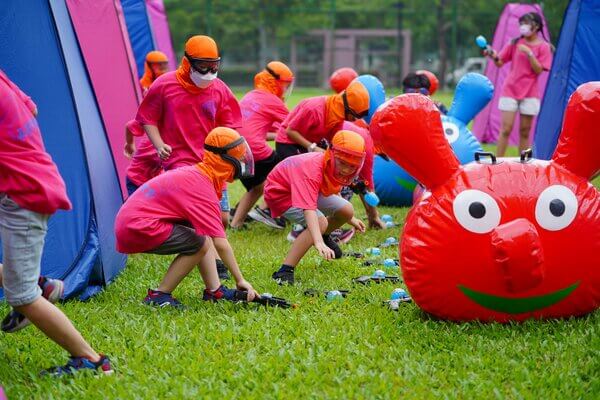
[[487, 49], [359, 187]]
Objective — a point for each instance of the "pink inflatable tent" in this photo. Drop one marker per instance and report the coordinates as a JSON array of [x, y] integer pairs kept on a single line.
[[104, 42], [160, 30], [486, 126]]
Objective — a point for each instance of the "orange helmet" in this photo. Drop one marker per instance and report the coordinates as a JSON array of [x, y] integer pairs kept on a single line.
[[345, 157], [228, 155], [276, 78], [202, 53], [356, 101], [341, 78]]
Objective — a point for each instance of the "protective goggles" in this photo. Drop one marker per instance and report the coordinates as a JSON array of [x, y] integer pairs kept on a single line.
[[243, 165], [350, 111], [346, 164], [422, 90], [204, 65], [286, 84]]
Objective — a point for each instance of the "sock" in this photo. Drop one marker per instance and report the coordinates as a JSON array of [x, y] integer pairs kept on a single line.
[[286, 268], [220, 264]]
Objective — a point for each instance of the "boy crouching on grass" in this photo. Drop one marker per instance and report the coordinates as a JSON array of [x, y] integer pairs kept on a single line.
[[178, 212], [305, 189]]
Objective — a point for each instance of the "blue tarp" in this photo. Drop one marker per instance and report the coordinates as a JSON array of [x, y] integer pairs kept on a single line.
[[80, 243], [140, 31], [576, 61]]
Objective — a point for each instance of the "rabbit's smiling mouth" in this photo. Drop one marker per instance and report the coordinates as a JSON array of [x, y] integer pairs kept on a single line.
[[517, 305]]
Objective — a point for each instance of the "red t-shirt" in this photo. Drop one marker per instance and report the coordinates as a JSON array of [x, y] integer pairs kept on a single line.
[[146, 219], [27, 173], [145, 163], [308, 118], [295, 182], [261, 111], [521, 81], [366, 173], [185, 119]]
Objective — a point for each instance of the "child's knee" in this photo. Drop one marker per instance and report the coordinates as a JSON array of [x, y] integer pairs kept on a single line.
[[346, 212]]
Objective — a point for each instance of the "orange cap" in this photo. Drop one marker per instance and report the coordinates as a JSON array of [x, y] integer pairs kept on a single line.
[[156, 56], [214, 165], [201, 46], [358, 97], [270, 81], [350, 143]]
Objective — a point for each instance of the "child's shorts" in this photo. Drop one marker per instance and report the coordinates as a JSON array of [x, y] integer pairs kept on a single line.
[[22, 232], [526, 106], [261, 170], [285, 150], [182, 240], [326, 206]]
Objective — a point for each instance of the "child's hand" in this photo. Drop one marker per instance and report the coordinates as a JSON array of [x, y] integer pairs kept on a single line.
[[324, 251], [358, 224], [524, 48], [245, 285], [376, 223], [164, 151], [129, 149]]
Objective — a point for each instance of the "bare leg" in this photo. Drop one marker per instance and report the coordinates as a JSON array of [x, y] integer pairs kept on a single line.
[[339, 218], [208, 269], [524, 129], [508, 119], [302, 244], [181, 266], [225, 218], [58, 327], [245, 205]]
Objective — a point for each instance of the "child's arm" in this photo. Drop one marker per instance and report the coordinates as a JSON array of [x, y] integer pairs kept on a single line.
[[129, 148], [297, 138], [163, 149], [372, 215], [226, 253], [312, 224]]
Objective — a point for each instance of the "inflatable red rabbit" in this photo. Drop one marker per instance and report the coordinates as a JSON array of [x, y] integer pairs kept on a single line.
[[499, 240]]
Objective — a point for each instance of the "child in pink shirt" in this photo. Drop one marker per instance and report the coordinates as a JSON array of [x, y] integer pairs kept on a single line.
[[175, 213], [31, 190], [304, 189], [262, 109], [145, 163], [529, 56], [318, 118]]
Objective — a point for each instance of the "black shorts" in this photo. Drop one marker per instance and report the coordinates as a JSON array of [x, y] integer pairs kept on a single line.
[[182, 240], [285, 150], [261, 170]]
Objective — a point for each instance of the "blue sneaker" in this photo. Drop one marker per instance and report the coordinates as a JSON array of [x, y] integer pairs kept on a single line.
[[161, 299], [77, 364], [224, 293], [52, 290]]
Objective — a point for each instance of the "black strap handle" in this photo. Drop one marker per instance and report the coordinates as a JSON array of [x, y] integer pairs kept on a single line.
[[480, 154], [526, 155]]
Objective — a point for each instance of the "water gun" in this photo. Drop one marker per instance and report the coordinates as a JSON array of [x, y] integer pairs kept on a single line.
[[360, 187], [487, 49], [267, 299]]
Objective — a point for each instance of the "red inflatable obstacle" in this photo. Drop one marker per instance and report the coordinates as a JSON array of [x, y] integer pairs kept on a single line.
[[499, 239], [341, 78]]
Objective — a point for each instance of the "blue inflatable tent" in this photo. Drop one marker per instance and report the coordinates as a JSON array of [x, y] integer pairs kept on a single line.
[[140, 31], [40, 53], [576, 61]]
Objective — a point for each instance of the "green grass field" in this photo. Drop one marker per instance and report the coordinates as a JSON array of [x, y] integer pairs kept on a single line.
[[351, 349]]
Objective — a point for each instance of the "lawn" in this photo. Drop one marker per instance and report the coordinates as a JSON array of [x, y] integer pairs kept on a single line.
[[355, 348]]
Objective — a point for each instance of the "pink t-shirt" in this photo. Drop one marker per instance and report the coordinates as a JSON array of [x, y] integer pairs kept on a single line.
[[295, 182], [521, 81], [27, 173], [146, 219], [184, 119], [145, 163], [261, 110], [308, 118], [366, 173]]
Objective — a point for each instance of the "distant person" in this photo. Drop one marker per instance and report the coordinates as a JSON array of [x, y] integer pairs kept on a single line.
[[415, 82], [156, 64], [263, 111], [529, 56], [31, 190]]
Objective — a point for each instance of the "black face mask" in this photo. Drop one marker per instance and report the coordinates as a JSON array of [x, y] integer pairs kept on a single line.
[[349, 111], [204, 65]]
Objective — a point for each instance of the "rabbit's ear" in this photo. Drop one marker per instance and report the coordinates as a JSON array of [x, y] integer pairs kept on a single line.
[[473, 92], [409, 130], [578, 148]]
